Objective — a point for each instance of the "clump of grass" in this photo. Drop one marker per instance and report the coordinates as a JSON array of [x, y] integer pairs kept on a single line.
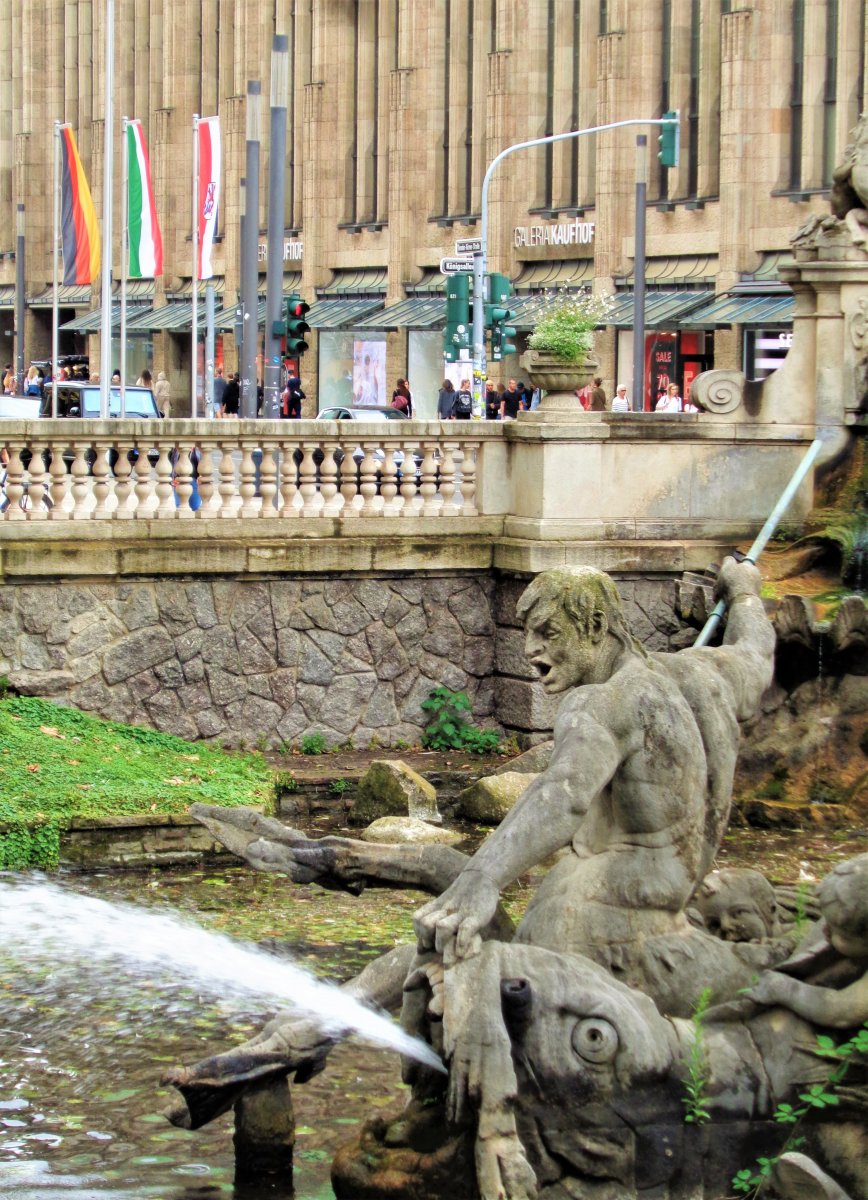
[[57, 763]]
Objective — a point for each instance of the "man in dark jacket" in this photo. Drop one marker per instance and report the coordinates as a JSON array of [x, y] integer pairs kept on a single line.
[[292, 398], [510, 402]]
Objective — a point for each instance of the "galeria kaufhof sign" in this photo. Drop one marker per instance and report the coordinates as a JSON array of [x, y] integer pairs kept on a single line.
[[566, 233]]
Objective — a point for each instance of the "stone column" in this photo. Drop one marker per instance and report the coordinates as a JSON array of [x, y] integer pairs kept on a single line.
[[264, 1132]]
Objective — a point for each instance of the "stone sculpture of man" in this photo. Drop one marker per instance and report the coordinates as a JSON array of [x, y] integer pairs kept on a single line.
[[639, 785]]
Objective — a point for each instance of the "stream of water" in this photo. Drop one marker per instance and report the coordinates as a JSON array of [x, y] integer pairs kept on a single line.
[[97, 998]]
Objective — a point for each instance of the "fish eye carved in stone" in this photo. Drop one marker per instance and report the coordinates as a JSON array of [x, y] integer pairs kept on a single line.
[[595, 1040]]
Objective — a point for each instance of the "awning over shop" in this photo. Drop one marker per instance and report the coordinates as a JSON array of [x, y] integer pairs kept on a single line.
[[368, 281], [561, 273], [174, 317], [7, 295], [68, 296], [681, 270], [340, 314], [663, 310], [743, 309], [416, 312]]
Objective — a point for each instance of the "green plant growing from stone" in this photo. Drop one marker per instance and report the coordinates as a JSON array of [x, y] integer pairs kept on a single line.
[[565, 330], [801, 920], [751, 1181], [285, 781], [313, 743], [449, 728], [337, 787], [695, 1099], [262, 743]]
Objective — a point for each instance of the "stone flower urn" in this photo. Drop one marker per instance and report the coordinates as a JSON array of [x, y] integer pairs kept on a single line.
[[560, 379]]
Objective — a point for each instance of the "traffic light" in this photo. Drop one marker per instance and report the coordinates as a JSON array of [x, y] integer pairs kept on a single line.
[[296, 326], [669, 140], [497, 314], [457, 335]]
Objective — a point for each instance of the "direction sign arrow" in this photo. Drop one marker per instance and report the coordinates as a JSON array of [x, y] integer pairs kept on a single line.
[[468, 246], [455, 266]]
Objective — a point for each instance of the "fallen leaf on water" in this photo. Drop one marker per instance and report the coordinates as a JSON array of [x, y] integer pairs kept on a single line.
[[34, 767]]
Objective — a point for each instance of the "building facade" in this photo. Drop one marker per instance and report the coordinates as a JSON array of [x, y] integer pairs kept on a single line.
[[395, 108]]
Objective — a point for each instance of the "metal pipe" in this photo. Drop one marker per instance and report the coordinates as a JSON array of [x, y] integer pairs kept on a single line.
[[55, 267], [761, 539], [19, 300], [639, 276], [194, 278], [276, 205], [250, 279], [125, 255], [105, 345]]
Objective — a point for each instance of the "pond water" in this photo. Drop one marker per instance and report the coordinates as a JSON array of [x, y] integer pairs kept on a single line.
[[82, 1052]]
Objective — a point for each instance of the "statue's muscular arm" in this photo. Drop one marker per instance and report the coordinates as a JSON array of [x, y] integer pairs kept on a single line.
[[588, 751]]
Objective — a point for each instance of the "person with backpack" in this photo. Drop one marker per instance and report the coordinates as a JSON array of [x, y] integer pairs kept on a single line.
[[463, 408], [292, 398], [402, 400]]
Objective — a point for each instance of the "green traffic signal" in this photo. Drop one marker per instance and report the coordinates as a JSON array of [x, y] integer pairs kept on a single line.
[[296, 325], [497, 313], [669, 139]]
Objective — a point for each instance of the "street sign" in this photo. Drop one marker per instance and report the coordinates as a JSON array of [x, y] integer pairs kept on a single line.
[[468, 246], [455, 266]]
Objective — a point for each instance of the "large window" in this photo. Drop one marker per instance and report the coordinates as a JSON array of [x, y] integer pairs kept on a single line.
[[797, 90]]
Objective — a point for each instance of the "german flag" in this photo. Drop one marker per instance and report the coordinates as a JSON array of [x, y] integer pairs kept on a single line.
[[79, 230]]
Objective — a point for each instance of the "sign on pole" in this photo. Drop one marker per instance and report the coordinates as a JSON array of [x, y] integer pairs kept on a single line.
[[455, 266], [468, 246]]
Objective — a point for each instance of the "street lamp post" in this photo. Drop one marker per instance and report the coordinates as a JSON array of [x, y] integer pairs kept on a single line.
[[480, 259]]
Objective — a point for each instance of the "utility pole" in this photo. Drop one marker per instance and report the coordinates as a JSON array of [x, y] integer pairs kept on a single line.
[[19, 300], [250, 251], [639, 276]]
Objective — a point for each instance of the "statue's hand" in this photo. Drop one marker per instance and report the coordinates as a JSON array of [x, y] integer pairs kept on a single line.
[[450, 924], [771, 988], [502, 1170], [737, 579]]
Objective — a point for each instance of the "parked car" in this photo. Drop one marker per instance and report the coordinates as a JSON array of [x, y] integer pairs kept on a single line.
[[83, 400], [339, 413]]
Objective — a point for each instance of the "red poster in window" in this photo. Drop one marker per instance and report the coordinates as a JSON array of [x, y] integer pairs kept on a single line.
[[691, 370], [661, 366]]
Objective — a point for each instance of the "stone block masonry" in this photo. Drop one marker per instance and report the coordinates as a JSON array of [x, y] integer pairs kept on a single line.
[[242, 661], [268, 661]]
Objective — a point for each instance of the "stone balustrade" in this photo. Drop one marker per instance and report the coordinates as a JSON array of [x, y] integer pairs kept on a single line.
[[208, 470]]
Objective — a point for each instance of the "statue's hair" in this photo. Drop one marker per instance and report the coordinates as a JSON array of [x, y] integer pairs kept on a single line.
[[580, 592], [843, 896]]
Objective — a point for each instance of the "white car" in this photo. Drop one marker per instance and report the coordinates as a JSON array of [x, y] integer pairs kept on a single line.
[[339, 413]]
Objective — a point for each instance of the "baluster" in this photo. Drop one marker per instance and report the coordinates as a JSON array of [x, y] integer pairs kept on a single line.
[[368, 487], [101, 483], [448, 507], [59, 483], [349, 481], [164, 490], [468, 479], [15, 487], [389, 481], [183, 483], [248, 481], [206, 480], [307, 484], [408, 480], [226, 487], [123, 470], [328, 474], [144, 486], [428, 487], [37, 489], [80, 471], [288, 479], [268, 480]]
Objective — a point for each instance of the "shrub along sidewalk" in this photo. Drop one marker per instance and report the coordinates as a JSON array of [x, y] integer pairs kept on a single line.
[[57, 763]]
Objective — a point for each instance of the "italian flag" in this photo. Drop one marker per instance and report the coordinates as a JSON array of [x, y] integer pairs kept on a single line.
[[146, 242]]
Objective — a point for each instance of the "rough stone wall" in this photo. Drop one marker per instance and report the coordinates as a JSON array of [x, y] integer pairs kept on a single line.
[[242, 661]]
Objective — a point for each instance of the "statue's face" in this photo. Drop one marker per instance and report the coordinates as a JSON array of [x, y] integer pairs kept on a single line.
[[562, 654], [734, 916]]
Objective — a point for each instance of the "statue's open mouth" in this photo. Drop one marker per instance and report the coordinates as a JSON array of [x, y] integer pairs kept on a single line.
[[543, 668]]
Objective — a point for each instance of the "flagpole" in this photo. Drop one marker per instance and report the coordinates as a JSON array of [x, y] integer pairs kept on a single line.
[[125, 258], [105, 357], [55, 257], [195, 277]]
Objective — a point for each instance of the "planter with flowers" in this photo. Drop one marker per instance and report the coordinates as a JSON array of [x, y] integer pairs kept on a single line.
[[560, 356]]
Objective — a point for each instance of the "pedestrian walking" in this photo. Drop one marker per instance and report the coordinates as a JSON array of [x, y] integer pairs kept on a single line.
[[163, 394], [446, 401]]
